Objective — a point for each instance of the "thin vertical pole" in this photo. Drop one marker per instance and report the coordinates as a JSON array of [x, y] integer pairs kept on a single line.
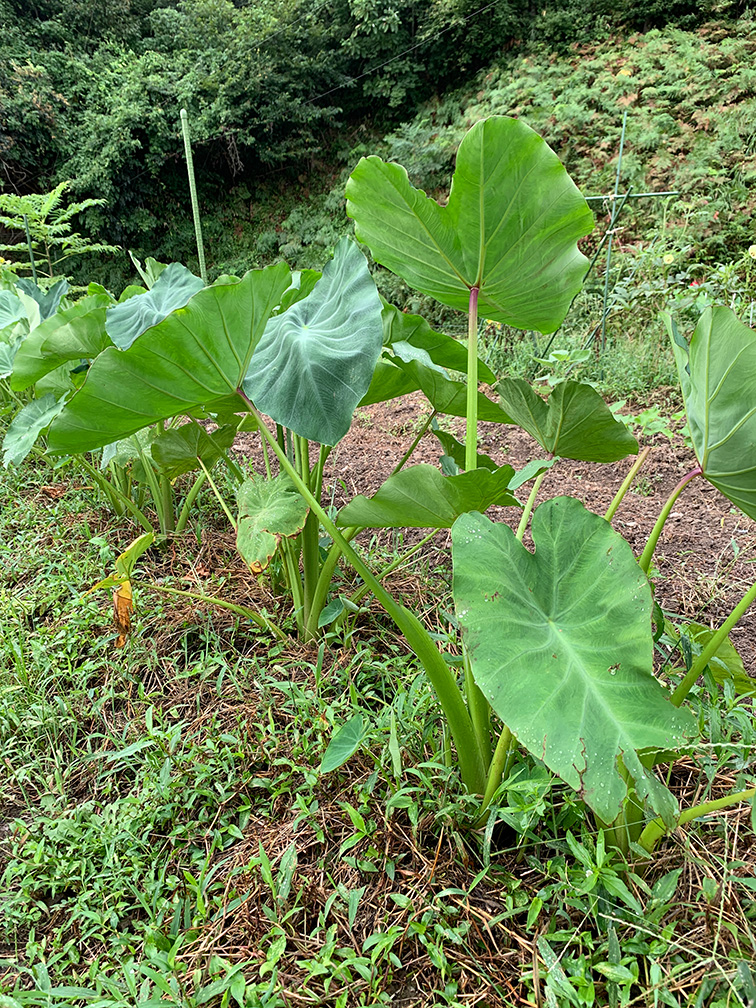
[[193, 194]]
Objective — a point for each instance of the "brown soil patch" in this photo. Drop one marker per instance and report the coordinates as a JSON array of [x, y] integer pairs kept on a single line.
[[705, 557]]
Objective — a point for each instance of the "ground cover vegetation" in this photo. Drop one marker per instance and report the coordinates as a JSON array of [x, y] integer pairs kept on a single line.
[[513, 749]]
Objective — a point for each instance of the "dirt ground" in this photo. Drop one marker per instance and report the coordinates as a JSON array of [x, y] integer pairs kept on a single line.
[[707, 551]]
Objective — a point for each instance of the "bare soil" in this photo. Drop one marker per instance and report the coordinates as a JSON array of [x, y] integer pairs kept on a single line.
[[705, 557]]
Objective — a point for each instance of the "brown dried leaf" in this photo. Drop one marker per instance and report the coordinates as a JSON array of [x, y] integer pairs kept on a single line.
[[122, 607]]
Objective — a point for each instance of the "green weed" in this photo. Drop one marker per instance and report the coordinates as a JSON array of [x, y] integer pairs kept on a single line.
[[167, 835]]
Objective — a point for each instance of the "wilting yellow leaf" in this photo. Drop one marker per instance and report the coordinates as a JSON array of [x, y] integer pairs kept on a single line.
[[122, 607]]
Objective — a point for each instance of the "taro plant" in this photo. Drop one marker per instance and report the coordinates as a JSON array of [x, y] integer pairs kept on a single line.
[[306, 349], [48, 361], [558, 642], [320, 335]]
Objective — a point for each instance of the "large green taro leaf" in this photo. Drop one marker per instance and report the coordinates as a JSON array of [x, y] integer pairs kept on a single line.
[[510, 227], [561, 645], [74, 334], [269, 510], [315, 361], [199, 354], [574, 422], [718, 378], [172, 289], [421, 497]]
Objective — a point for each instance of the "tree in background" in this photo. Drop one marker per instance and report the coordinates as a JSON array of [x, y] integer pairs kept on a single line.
[[92, 88]]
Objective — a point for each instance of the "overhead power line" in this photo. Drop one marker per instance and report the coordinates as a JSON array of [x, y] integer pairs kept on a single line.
[[379, 66]]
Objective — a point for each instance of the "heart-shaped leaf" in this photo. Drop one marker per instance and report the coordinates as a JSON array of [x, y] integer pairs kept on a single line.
[[344, 744], [269, 510], [718, 379], [510, 227], [75, 334], [421, 497], [574, 422], [315, 361], [560, 643], [171, 289], [199, 354]]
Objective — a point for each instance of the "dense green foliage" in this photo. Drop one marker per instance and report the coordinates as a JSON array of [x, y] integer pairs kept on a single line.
[[92, 92]]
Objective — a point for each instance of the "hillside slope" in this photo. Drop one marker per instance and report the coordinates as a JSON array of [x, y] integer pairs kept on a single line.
[[690, 99]]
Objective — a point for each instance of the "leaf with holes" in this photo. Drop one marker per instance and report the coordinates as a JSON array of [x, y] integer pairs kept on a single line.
[[269, 510]]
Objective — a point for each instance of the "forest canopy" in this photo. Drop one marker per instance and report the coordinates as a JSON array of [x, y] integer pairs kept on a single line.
[[91, 89]]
